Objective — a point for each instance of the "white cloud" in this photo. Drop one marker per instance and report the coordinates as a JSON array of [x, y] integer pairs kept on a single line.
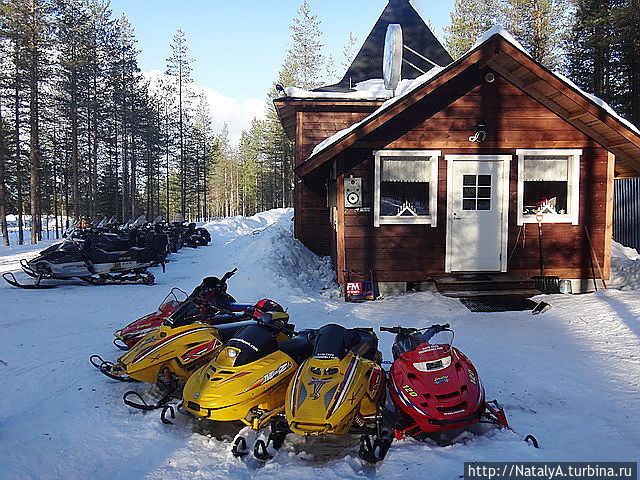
[[236, 113]]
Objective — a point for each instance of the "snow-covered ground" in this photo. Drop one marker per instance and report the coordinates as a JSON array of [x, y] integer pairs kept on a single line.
[[571, 376]]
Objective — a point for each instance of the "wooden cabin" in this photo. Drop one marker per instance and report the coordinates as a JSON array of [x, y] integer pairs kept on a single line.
[[452, 173]]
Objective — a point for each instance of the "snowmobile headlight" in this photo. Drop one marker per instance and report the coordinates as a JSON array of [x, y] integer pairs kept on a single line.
[[232, 352], [330, 371], [433, 365]]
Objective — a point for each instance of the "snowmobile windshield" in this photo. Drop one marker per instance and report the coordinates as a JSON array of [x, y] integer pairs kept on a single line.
[[185, 314], [334, 341], [175, 297], [69, 245], [252, 343], [407, 343], [140, 221]]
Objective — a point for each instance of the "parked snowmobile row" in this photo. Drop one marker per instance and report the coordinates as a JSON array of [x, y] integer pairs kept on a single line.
[[107, 253], [227, 362]]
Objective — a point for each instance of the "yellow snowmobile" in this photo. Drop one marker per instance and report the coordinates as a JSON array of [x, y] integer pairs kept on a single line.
[[170, 354], [341, 389], [248, 379]]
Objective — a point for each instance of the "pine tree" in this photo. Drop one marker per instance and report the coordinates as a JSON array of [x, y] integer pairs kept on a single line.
[[306, 52], [626, 21], [331, 72], [469, 20], [71, 30], [540, 26], [3, 194], [590, 60], [37, 35], [349, 51], [179, 67]]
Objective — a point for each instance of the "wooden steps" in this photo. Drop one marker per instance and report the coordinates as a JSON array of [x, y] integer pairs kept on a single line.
[[484, 284]]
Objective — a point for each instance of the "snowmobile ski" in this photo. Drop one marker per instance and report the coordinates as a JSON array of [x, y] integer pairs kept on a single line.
[[142, 403], [11, 279], [105, 368]]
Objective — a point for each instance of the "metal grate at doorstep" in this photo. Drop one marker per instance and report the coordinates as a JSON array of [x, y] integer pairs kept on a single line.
[[499, 303]]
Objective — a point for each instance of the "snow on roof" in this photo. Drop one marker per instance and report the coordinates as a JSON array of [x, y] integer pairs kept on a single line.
[[407, 86], [498, 30], [598, 101], [368, 90]]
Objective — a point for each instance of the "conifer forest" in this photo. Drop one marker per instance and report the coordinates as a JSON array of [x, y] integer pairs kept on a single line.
[[85, 134]]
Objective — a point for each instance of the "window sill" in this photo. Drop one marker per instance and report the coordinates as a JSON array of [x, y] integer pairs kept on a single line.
[[569, 219], [405, 221]]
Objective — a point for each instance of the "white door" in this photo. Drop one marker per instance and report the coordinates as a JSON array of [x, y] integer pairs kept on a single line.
[[478, 188]]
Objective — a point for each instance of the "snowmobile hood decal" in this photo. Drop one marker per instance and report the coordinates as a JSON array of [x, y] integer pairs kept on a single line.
[[344, 386], [145, 353], [402, 396]]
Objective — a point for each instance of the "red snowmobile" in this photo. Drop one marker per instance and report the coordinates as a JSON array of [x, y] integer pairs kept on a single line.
[[216, 304], [434, 386]]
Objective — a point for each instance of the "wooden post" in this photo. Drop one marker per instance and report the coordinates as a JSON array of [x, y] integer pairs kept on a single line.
[[608, 219], [340, 227]]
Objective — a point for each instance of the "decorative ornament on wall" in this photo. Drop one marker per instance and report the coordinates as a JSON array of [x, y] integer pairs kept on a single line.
[[480, 135]]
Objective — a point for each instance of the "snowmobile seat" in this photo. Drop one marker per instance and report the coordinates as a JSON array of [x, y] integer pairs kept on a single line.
[[336, 341], [99, 255], [299, 348]]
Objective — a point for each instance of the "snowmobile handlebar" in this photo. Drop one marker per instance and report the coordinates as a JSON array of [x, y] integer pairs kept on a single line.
[[228, 275], [398, 330], [279, 326]]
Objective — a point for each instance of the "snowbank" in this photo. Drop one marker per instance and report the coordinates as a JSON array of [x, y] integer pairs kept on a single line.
[[232, 227], [625, 267], [263, 246]]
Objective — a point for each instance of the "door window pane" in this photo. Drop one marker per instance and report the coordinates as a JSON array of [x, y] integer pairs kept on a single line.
[[476, 197], [469, 180], [484, 180], [484, 204], [468, 204], [484, 192], [468, 192]]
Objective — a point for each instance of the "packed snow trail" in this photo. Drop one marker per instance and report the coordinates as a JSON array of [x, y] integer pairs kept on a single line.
[[571, 376]]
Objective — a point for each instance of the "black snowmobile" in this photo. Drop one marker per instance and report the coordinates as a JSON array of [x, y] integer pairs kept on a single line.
[[85, 259]]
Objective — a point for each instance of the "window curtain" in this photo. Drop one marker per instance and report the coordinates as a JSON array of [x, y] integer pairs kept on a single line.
[[545, 169], [406, 169]]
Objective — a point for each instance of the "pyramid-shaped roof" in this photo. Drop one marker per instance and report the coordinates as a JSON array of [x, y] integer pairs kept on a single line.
[[416, 36]]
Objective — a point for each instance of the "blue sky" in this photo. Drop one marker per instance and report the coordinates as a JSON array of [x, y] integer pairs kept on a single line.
[[239, 47]]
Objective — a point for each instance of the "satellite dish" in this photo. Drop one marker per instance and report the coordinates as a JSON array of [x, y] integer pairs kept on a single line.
[[392, 61]]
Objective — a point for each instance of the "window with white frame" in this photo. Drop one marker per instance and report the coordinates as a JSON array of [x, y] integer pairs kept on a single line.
[[406, 187], [548, 184]]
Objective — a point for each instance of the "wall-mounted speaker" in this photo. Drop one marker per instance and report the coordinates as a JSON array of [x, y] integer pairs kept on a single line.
[[352, 192]]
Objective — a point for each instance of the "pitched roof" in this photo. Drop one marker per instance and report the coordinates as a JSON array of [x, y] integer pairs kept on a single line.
[[416, 35], [498, 51]]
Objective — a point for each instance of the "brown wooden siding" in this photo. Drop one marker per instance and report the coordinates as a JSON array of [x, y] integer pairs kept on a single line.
[[312, 218], [318, 126], [312, 225], [514, 120]]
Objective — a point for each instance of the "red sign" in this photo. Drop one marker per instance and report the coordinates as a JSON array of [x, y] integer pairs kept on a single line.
[[354, 288]]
